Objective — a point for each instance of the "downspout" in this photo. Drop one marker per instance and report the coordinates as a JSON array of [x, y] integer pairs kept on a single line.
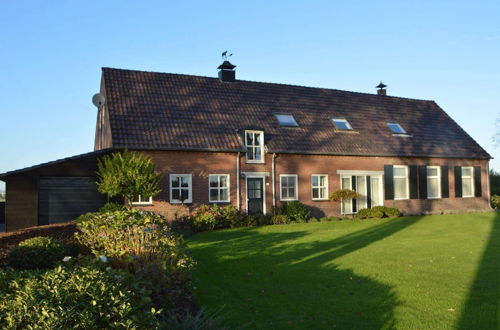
[[488, 184], [238, 181], [274, 180]]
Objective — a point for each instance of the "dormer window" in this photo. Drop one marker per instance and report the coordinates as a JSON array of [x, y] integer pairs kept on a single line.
[[342, 124], [254, 142], [396, 128], [286, 120]]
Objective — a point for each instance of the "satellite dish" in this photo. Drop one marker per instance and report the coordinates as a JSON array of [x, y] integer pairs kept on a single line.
[[98, 100]]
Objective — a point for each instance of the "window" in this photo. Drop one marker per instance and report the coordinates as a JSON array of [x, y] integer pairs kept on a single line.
[[467, 182], [401, 189], [218, 188], [141, 201], [181, 188], [396, 128], [254, 141], [341, 124], [286, 120], [319, 187], [433, 182], [288, 183]]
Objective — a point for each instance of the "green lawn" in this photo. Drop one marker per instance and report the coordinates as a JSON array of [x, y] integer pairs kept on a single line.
[[429, 272]]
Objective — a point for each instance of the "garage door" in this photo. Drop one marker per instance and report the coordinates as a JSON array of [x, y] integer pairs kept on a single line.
[[65, 198]]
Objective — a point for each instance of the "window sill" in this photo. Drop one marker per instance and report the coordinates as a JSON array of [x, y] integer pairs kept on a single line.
[[320, 199], [288, 200], [434, 197], [401, 199], [220, 202], [179, 202], [141, 204], [255, 162], [468, 196]]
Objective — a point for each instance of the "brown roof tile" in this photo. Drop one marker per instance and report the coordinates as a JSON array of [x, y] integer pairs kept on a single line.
[[171, 111]]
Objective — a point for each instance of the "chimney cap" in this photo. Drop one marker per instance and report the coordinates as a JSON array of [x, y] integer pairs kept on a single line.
[[226, 65], [381, 85]]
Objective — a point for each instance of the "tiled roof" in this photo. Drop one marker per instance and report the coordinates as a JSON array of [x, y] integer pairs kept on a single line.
[[171, 111]]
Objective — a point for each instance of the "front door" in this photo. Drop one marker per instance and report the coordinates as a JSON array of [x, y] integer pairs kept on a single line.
[[255, 195]]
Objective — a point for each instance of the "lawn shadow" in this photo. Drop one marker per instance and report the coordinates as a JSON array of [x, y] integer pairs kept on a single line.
[[481, 309], [267, 267]]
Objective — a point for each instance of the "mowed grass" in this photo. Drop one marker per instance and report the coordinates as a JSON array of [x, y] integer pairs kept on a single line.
[[428, 272]]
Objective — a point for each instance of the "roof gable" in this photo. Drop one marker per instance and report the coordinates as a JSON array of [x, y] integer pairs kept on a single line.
[[170, 111]]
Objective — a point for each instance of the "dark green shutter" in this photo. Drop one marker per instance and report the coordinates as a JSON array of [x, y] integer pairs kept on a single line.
[[413, 181], [422, 182], [458, 181], [477, 181], [445, 185], [368, 192], [389, 182]]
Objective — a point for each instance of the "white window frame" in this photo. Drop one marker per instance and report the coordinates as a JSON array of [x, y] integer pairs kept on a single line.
[[219, 188], [344, 121], [261, 145], [296, 197], [139, 201], [471, 181], [406, 181], [319, 187], [438, 177], [396, 124], [190, 188]]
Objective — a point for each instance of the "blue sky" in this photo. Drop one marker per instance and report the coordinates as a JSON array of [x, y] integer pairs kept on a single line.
[[51, 53]]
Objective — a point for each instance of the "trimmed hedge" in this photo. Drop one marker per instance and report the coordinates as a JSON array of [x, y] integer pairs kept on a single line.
[[378, 212]]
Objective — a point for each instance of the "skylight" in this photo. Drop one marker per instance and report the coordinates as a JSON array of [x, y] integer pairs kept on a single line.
[[396, 128], [286, 120], [341, 124]]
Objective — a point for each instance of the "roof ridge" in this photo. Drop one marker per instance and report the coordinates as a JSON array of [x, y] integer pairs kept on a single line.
[[273, 83]]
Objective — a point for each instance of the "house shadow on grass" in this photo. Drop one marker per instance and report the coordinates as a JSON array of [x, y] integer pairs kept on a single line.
[[275, 280], [482, 306]]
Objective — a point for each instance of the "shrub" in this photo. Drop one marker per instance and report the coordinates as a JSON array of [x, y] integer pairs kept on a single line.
[[495, 201], [313, 219], [112, 207], [378, 212], [296, 211], [392, 212], [263, 219], [143, 243], [231, 217], [343, 194], [280, 219], [210, 217], [83, 296], [199, 321], [127, 174], [39, 253]]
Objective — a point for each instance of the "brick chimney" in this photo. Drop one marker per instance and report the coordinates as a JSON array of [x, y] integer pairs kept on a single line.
[[381, 89], [226, 71]]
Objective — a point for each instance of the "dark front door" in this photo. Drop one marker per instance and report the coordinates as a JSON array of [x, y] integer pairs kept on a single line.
[[255, 195]]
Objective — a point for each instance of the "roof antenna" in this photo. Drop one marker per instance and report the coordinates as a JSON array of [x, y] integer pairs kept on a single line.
[[225, 55]]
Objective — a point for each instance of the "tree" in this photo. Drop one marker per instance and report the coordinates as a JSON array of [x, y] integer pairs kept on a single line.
[[129, 175]]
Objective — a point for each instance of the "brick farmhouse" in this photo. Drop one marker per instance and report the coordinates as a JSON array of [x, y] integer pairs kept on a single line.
[[256, 145]]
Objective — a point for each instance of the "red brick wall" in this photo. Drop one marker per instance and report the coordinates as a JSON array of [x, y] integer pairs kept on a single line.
[[201, 164]]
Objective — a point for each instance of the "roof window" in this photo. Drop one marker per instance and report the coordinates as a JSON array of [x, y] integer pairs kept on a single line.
[[286, 120], [396, 128], [341, 124]]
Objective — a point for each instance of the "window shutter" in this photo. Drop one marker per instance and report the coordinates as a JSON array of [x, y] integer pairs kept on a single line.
[[354, 200], [477, 181], [413, 181], [368, 192], [458, 181], [422, 182], [445, 185], [389, 182]]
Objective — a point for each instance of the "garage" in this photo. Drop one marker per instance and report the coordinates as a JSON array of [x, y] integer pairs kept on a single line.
[[53, 192], [63, 199]]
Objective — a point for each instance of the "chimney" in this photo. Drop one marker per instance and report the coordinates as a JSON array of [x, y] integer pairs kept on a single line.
[[381, 89], [226, 72]]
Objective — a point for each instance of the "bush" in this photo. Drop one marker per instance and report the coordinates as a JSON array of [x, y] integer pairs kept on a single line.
[[343, 194], [112, 207], [142, 243], [378, 212], [199, 321], [313, 219], [296, 211], [39, 253], [83, 296], [280, 219], [495, 201], [210, 217]]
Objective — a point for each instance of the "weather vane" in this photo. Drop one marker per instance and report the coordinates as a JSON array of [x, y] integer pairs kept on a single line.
[[225, 55]]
